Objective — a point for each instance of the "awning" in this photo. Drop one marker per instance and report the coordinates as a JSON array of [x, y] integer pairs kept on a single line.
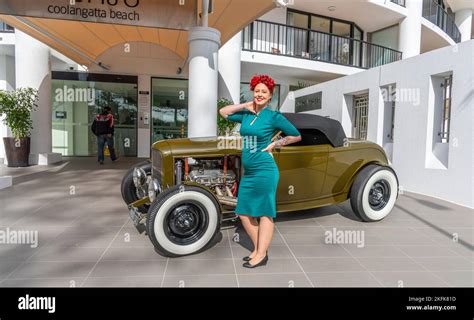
[[84, 42]]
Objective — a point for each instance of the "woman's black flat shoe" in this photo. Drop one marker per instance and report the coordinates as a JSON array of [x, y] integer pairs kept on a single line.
[[247, 258], [261, 263]]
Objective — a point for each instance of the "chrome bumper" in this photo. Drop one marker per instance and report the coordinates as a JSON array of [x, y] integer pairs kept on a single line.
[[136, 216]]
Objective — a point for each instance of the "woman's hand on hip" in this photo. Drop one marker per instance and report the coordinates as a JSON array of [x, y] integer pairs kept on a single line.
[[270, 147]]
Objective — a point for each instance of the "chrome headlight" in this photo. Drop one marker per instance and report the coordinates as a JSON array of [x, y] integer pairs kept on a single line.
[[154, 189], [139, 177]]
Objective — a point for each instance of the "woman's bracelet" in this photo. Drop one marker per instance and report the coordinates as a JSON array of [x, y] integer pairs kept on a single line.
[[281, 142]]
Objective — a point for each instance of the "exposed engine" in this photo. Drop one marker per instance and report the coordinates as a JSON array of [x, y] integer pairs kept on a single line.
[[221, 175]]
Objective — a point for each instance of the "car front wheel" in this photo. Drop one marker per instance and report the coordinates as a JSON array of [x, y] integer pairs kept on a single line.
[[183, 220], [374, 192]]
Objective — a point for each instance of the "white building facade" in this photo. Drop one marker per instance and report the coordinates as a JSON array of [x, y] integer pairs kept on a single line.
[[156, 93]]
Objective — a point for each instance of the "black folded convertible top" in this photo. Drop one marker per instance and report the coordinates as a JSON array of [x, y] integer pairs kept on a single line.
[[330, 127]]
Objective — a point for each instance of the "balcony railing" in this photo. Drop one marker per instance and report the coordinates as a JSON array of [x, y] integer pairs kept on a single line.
[[433, 12], [5, 27], [275, 38], [399, 2]]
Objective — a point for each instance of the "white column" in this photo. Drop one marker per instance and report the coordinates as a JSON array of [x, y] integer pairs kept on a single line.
[[144, 116], [204, 44], [409, 38], [229, 69], [4, 87], [463, 20], [33, 69]]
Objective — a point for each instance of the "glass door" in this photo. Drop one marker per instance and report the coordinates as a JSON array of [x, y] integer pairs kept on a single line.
[[169, 109], [75, 104]]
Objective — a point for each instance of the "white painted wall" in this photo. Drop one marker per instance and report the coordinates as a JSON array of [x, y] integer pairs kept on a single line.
[[415, 150]]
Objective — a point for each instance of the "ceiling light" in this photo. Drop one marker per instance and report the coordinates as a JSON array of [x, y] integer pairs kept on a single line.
[[332, 8]]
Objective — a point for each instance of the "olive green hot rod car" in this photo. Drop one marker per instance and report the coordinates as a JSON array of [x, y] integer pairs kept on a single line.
[[190, 185]]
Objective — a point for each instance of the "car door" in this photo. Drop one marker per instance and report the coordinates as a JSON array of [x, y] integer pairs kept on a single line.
[[302, 172]]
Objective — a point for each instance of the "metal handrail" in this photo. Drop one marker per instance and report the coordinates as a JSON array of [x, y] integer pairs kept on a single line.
[[277, 38], [436, 14], [5, 27], [399, 2]]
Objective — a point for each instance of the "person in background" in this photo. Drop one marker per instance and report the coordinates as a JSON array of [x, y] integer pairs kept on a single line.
[[103, 128]]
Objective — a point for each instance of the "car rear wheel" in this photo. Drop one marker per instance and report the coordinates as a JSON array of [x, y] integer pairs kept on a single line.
[[130, 193], [183, 220], [374, 192]]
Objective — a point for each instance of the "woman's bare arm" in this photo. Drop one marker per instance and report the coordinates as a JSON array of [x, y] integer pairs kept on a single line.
[[231, 109], [282, 142]]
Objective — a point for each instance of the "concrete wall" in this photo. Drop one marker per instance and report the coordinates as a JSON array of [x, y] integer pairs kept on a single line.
[[423, 164]]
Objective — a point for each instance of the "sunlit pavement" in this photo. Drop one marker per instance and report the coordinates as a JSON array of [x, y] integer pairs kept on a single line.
[[85, 238]]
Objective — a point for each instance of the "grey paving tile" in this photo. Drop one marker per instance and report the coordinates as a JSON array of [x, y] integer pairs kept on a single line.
[[284, 229], [6, 267], [129, 269], [64, 240], [68, 254], [131, 238], [214, 253], [52, 270], [274, 265], [457, 278], [278, 252], [16, 252], [319, 251], [239, 238], [409, 279], [427, 251], [390, 264], [288, 280], [305, 239], [445, 263], [374, 251], [177, 267], [330, 264], [29, 283], [462, 250], [132, 254], [127, 281], [78, 230], [200, 281], [343, 279]]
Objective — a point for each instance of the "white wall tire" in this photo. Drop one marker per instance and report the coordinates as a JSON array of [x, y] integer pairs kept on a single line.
[[374, 192], [183, 221]]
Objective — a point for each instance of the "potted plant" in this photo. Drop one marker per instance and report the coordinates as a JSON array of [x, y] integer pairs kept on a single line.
[[16, 107], [223, 126]]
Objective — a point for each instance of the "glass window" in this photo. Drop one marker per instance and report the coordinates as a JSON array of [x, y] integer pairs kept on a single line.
[[341, 29], [76, 103], [357, 33], [169, 108], [246, 95], [298, 20], [320, 24]]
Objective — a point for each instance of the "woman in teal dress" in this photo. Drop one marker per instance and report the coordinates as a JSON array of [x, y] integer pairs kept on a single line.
[[257, 189]]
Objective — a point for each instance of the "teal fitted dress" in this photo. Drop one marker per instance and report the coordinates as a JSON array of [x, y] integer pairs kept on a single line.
[[258, 185]]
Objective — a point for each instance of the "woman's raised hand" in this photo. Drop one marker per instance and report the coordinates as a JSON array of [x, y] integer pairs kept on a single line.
[[250, 106]]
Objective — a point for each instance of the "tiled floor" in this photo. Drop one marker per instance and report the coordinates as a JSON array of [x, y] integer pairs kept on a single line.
[[86, 239]]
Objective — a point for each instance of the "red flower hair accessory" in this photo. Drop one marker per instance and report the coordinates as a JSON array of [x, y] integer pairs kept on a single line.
[[263, 78]]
